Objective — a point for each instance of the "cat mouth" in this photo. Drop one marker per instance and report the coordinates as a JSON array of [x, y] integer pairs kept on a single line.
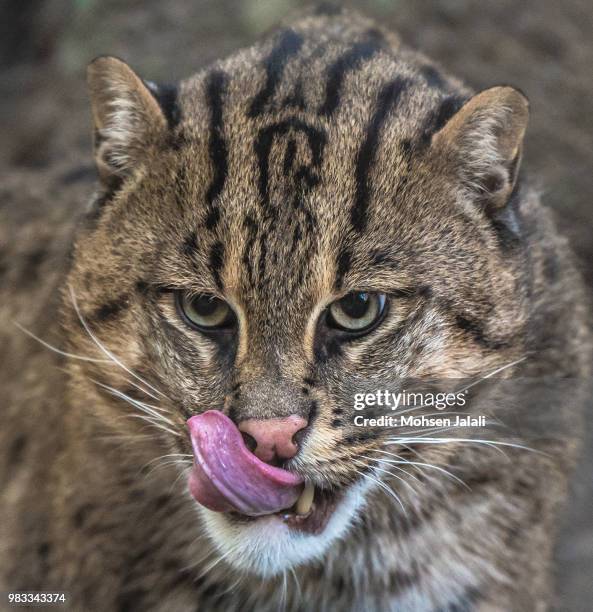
[[310, 514], [228, 478]]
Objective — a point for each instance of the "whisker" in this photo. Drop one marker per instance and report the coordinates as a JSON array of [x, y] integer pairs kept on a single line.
[[234, 585], [141, 388], [385, 488], [57, 350], [297, 583], [147, 408], [403, 461], [423, 464], [104, 349], [422, 439], [167, 456], [182, 459], [397, 468], [493, 443], [164, 464], [126, 439], [497, 371], [182, 473], [152, 421], [284, 594], [379, 469], [210, 567]]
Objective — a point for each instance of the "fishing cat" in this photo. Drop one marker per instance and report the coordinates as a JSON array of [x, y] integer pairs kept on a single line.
[[317, 215]]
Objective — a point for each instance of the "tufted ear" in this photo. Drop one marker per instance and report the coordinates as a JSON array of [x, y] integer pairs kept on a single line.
[[484, 139], [127, 117]]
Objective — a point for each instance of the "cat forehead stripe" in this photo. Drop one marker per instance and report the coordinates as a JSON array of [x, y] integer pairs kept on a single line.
[[349, 61], [387, 101], [215, 91], [288, 44], [316, 139]]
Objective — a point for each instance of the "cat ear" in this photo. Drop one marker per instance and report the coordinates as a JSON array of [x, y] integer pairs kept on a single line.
[[484, 139], [127, 117]]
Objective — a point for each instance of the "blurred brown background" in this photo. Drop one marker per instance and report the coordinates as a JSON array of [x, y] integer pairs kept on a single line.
[[543, 47]]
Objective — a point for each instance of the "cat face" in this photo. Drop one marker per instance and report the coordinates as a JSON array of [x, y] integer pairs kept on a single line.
[[300, 222]]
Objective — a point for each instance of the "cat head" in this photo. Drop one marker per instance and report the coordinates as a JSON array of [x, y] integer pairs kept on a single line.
[[320, 214]]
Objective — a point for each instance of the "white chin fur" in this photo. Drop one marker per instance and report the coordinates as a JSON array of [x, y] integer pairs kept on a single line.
[[268, 547]]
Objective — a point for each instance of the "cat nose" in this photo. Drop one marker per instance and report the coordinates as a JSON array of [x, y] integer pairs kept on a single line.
[[273, 437]]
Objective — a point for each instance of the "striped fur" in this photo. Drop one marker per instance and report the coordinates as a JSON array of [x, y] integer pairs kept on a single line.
[[325, 159]]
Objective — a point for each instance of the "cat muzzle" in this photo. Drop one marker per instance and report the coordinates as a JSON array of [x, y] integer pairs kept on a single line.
[[228, 477]]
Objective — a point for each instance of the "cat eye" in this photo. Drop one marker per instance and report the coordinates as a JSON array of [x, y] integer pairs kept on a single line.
[[204, 311], [356, 312]]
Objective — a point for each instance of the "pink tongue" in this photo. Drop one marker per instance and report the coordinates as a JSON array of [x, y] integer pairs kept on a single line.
[[227, 476]]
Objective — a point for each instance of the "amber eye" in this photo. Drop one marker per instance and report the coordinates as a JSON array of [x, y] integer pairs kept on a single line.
[[204, 311], [356, 311]]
